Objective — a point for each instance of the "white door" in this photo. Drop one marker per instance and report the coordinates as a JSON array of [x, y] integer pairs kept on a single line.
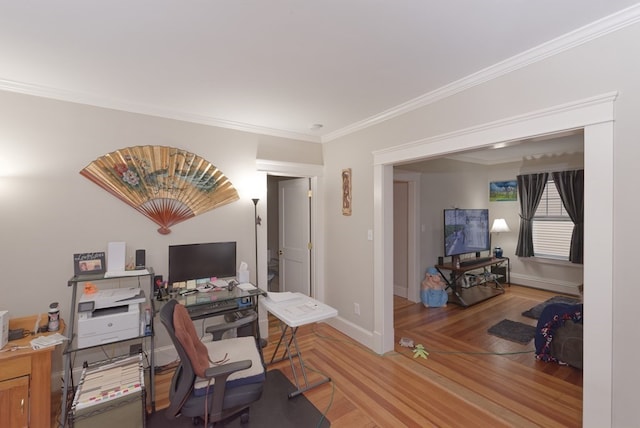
[[294, 235]]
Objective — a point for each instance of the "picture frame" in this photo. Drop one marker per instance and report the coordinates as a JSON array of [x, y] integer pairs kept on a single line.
[[503, 191], [89, 263], [346, 191]]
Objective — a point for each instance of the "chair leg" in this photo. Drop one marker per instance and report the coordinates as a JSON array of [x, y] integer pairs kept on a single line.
[[244, 417]]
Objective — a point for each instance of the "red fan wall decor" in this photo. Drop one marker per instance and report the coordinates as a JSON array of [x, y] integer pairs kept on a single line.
[[166, 184]]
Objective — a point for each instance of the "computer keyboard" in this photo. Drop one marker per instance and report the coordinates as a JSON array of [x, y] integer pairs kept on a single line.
[[210, 308]]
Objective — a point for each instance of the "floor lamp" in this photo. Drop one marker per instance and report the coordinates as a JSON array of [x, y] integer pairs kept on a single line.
[[257, 221], [499, 225]]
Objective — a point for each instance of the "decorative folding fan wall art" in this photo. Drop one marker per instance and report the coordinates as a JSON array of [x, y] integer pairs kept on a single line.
[[166, 184]]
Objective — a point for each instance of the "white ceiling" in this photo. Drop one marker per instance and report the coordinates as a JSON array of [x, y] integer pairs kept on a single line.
[[279, 66]]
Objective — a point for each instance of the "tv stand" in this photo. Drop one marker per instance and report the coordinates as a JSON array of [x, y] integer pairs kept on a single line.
[[479, 292]]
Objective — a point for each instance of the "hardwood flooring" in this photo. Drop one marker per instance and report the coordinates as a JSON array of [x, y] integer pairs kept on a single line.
[[470, 378]]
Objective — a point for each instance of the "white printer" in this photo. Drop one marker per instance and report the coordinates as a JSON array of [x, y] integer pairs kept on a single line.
[[109, 316]]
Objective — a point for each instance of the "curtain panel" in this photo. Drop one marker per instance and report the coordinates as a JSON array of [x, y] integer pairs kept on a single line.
[[530, 189], [570, 185]]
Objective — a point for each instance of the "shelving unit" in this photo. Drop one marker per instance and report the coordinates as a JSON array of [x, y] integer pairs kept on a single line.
[[72, 347], [477, 293]]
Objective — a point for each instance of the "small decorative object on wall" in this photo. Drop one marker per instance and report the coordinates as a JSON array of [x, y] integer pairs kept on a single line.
[[346, 191], [88, 263], [500, 191], [166, 184]]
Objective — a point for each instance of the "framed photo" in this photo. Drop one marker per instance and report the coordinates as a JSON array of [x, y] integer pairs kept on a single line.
[[500, 191], [346, 191], [88, 263]]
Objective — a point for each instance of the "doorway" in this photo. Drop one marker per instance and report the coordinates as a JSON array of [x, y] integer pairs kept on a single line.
[[266, 169], [595, 115], [406, 233], [289, 234]]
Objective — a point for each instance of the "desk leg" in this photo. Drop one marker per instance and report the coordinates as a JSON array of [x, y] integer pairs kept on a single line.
[[290, 351]]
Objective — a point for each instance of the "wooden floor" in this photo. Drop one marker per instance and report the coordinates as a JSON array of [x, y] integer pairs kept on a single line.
[[470, 378]]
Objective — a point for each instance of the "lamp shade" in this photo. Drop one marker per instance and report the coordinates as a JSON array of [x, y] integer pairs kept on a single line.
[[499, 225]]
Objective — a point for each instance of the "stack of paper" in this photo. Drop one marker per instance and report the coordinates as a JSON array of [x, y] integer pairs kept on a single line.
[[108, 383], [47, 341]]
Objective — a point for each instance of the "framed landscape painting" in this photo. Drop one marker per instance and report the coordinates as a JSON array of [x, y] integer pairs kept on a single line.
[[500, 191]]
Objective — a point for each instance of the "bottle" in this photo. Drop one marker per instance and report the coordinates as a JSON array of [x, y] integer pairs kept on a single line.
[[147, 321], [54, 317]]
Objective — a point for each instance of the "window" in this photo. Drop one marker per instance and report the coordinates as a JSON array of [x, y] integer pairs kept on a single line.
[[552, 226]]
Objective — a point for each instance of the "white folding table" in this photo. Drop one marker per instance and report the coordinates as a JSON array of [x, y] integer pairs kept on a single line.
[[295, 310]]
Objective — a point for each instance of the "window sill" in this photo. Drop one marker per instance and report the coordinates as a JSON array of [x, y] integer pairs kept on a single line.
[[549, 261]]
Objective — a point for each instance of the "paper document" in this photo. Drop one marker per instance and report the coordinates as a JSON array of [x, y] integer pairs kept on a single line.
[[281, 297], [219, 283], [115, 274], [246, 286], [46, 341], [302, 309]]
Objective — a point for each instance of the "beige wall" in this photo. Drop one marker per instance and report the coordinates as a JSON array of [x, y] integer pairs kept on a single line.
[[597, 67], [48, 211]]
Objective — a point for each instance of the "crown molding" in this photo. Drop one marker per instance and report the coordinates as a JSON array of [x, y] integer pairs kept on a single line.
[[594, 30], [563, 43], [92, 100]]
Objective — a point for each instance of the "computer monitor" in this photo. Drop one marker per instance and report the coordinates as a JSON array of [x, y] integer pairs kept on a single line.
[[200, 261]]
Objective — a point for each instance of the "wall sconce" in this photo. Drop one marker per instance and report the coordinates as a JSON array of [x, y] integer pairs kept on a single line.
[[499, 225]]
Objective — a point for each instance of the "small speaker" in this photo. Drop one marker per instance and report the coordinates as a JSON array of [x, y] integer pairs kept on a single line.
[[440, 260], [140, 259], [477, 254]]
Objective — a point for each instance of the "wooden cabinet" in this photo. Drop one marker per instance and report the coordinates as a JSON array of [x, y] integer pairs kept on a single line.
[[14, 402], [25, 380]]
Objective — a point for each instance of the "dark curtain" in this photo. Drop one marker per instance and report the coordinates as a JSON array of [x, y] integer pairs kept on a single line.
[[530, 189], [570, 185]]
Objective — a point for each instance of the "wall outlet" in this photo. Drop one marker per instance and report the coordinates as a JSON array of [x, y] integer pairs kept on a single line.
[[356, 308]]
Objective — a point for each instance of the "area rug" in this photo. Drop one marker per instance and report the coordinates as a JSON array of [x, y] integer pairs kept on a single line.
[[274, 409], [513, 331], [537, 310]]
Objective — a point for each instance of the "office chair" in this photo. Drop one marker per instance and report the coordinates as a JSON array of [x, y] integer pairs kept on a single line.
[[214, 380]]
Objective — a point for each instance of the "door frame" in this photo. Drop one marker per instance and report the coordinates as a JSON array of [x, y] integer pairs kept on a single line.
[[301, 170], [596, 116]]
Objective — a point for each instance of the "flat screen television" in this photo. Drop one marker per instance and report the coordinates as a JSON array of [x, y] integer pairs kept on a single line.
[[466, 231], [200, 261]]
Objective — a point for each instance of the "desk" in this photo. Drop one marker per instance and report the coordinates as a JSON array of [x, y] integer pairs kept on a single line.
[[26, 371], [213, 303], [294, 311], [472, 295], [201, 305]]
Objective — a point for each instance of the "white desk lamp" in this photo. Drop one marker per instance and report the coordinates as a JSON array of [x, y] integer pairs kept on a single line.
[[499, 225]]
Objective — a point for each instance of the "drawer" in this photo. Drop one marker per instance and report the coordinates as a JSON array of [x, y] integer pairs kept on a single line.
[[15, 367]]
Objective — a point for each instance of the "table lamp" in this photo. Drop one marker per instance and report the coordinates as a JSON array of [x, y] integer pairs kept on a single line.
[[499, 225]]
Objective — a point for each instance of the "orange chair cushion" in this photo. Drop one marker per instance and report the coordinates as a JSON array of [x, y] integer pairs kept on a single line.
[[186, 334]]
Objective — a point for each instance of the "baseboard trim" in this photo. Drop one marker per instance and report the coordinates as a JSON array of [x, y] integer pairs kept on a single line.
[[555, 286], [357, 333]]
